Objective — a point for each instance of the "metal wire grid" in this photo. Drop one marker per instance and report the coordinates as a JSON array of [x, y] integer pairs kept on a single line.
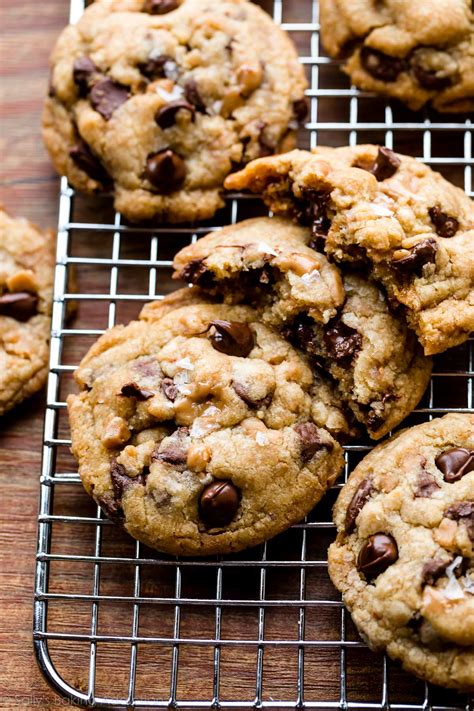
[[457, 369]]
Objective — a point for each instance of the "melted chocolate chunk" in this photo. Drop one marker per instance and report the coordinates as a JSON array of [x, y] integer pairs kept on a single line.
[[310, 440], [120, 481], [455, 463], [242, 392], [445, 225], [313, 212], [422, 253], [169, 389], [376, 555], [111, 508], [86, 161], [342, 342], [166, 116], [191, 92], [374, 420], [433, 570], [231, 337], [134, 390], [83, 71], [360, 498], [300, 109], [165, 170], [159, 67], [426, 485], [160, 7], [386, 164], [196, 272], [381, 66], [301, 333], [173, 453], [106, 96], [19, 305], [463, 511], [219, 503]]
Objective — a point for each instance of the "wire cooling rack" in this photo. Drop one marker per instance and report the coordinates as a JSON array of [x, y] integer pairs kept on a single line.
[[119, 626]]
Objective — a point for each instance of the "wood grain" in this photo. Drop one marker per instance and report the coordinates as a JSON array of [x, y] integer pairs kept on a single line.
[[29, 187]]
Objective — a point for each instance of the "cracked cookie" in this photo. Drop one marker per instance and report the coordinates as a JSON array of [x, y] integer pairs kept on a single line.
[[403, 558], [194, 429], [419, 53], [342, 322], [26, 286], [159, 101], [265, 261], [390, 214]]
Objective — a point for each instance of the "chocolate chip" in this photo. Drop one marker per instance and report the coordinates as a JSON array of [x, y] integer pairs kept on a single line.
[[173, 453], [120, 481], [386, 164], [195, 272], [445, 225], [343, 343], [313, 212], [165, 170], [434, 569], [427, 78], [191, 92], [106, 96], [83, 71], [231, 337], [169, 389], [19, 305], [376, 555], [463, 511], [160, 7], [218, 503], [426, 485], [242, 392], [159, 67], [86, 161], [301, 333], [310, 440], [166, 116], [112, 509], [300, 109], [134, 390], [422, 253], [360, 498], [381, 66], [374, 420], [455, 463]]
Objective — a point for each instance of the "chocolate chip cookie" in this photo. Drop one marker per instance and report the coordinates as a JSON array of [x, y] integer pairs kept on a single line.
[[194, 429], [403, 558], [26, 285], [265, 261], [159, 101], [417, 52], [342, 322], [378, 210]]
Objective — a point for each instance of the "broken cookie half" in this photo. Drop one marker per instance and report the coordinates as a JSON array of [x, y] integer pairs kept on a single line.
[[343, 323], [389, 215]]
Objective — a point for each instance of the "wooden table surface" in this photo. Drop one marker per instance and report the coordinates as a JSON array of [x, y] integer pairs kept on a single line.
[[28, 186]]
